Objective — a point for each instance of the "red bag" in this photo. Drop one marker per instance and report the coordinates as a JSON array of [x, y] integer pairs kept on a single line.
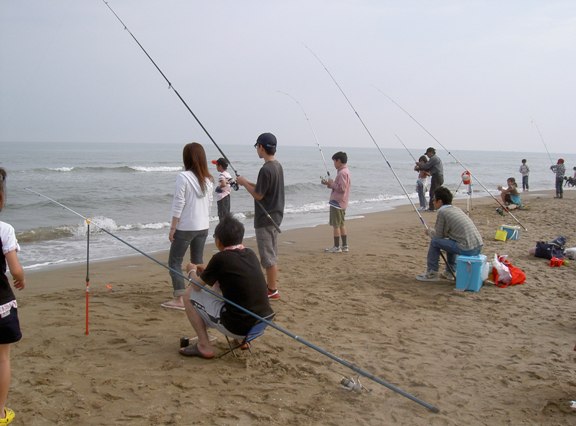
[[517, 274]]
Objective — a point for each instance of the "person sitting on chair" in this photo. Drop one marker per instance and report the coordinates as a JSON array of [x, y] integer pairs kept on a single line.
[[510, 196], [454, 232], [235, 273]]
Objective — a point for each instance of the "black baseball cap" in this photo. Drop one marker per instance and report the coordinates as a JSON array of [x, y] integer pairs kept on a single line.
[[221, 161], [267, 140]]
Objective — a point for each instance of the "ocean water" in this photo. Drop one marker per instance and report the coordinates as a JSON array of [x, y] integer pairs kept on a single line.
[[127, 190]]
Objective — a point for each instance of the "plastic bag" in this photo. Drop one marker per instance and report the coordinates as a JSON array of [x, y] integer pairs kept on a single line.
[[500, 271]]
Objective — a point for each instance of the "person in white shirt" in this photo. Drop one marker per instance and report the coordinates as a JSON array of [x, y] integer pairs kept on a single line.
[[190, 217]]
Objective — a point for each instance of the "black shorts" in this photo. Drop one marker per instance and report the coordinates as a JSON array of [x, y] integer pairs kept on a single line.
[[10, 328]]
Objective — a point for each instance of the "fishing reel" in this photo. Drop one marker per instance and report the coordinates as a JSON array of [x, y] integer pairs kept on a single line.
[[353, 384], [233, 184]]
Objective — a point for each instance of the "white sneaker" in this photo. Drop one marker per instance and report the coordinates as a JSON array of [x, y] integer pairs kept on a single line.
[[345, 249], [446, 275], [333, 250], [428, 276]]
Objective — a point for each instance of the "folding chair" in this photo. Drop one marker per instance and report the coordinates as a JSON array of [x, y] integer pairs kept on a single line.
[[256, 331]]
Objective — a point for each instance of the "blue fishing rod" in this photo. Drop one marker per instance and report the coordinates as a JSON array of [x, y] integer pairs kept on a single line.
[[170, 86], [268, 322], [504, 208], [311, 128]]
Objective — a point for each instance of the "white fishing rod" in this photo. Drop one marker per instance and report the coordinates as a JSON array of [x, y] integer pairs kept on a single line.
[[268, 322], [381, 153], [405, 147], [542, 139], [504, 208], [311, 128]]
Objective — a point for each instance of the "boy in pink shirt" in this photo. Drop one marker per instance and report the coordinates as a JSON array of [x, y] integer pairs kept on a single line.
[[339, 201]]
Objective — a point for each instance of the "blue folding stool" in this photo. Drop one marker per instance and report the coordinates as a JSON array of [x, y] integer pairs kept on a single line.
[[256, 331]]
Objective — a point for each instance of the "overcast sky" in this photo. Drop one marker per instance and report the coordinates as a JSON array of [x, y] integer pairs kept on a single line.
[[474, 73]]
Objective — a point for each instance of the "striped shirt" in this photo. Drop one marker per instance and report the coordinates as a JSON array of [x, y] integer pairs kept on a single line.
[[454, 224]]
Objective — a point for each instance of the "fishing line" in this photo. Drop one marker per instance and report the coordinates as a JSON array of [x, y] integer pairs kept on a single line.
[[170, 86], [543, 143], [504, 208], [311, 128], [385, 159], [288, 333]]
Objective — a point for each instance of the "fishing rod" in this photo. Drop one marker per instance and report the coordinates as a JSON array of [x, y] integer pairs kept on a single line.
[[270, 323], [543, 143], [383, 156], [504, 208], [311, 128], [400, 140], [170, 86]]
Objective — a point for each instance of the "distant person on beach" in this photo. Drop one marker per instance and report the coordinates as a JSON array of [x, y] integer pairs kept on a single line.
[[421, 182], [268, 194], [560, 171], [223, 189], [436, 170], [525, 172], [454, 233], [190, 217], [510, 195], [233, 272], [339, 202], [9, 324], [571, 180]]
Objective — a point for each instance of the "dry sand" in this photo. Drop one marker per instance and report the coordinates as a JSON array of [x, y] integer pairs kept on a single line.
[[499, 356]]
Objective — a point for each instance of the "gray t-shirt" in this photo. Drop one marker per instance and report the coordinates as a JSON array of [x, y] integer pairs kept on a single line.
[[270, 184]]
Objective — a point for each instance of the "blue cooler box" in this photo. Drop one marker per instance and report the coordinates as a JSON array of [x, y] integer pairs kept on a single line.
[[470, 271]]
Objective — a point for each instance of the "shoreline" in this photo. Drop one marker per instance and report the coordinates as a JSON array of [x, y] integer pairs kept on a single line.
[[492, 357]]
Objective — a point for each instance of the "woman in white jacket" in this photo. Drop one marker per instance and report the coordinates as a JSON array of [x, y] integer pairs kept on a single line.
[[190, 217]]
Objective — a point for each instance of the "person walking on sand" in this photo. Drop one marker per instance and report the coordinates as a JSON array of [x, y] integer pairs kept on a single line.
[[339, 202], [454, 233], [223, 189], [421, 183], [235, 273], [560, 171], [436, 170], [9, 324], [190, 217], [524, 171], [268, 194]]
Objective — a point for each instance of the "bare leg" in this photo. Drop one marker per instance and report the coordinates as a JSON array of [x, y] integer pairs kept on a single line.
[[4, 376], [272, 277], [198, 325]]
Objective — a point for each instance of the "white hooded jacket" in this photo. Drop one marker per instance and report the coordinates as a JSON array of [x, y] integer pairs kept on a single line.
[[190, 204]]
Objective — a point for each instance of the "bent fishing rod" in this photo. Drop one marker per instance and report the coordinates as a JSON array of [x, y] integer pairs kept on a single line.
[[383, 156], [543, 143], [268, 322], [170, 86], [504, 208], [311, 128]]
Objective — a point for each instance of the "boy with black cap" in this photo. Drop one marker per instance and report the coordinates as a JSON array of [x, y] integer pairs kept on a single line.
[[436, 170], [268, 194], [223, 189]]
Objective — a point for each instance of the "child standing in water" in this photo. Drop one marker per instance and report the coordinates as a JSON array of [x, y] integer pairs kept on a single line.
[[9, 324]]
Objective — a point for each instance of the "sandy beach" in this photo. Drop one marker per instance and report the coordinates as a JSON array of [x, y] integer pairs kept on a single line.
[[501, 356]]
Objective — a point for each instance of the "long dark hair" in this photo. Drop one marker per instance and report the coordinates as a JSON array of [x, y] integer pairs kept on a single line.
[[194, 158]]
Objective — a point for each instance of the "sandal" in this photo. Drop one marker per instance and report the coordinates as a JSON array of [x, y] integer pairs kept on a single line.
[[171, 304], [193, 350], [8, 416]]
